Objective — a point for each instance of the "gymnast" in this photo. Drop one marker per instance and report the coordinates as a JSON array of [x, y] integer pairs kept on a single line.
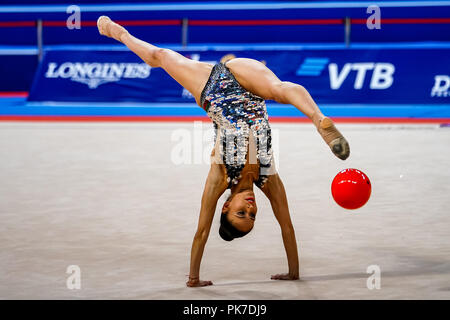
[[233, 95]]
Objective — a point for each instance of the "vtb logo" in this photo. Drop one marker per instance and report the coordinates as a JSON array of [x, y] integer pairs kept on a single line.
[[381, 72]]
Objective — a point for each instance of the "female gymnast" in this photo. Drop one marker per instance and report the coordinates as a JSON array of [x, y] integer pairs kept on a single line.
[[233, 95]]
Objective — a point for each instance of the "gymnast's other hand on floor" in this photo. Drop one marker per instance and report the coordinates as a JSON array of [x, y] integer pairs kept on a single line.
[[198, 283]]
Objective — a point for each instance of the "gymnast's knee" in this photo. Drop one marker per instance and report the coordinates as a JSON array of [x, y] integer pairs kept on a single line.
[[277, 91], [280, 91], [156, 57]]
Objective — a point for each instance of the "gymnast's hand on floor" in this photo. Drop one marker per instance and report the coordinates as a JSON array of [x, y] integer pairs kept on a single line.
[[284, 276], [196, 282]]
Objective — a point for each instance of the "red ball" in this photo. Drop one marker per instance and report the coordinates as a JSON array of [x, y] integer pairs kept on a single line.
[[351, 188]]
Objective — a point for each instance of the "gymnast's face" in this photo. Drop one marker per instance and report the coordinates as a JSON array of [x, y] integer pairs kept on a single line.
[[241, 210]]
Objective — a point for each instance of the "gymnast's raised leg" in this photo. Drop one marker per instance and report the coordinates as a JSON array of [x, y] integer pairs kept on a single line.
[[255, 77], [190, 74]]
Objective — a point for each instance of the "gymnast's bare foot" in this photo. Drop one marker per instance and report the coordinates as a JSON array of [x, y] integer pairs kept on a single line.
[[331, 135], [284, 276], [109, 28]]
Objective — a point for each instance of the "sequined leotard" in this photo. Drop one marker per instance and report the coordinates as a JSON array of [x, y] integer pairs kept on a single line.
[[236, 113]]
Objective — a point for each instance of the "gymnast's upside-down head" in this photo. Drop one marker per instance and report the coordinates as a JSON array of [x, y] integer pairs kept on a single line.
[[238, 215]]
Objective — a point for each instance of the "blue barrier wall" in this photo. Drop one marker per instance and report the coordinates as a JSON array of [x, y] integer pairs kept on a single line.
[[17, 67], [320, 22], [362, 74]]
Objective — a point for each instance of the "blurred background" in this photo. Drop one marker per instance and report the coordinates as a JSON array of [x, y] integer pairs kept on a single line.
[[361, 61]]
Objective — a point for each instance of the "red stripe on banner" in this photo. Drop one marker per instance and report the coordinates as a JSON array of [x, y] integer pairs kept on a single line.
[[206, 119], [405, 20], [121, 22], [206, 22], [265, 22], [62, 23], [364, 120], [14, 94], [18, 24], [104, 118]]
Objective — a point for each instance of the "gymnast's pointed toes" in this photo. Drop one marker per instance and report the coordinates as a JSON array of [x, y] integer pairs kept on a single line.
[[340, 148], [102, 21]]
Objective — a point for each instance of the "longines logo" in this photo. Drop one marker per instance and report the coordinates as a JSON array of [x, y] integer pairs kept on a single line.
[[94, 74]]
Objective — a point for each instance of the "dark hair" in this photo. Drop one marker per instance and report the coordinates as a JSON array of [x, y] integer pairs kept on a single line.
[[227, 231]]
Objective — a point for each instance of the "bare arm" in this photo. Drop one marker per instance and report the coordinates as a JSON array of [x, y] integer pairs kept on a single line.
[[275, 192], [214, 187]]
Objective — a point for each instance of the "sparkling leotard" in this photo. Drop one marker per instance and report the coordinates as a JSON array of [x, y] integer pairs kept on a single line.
[[236, 113]]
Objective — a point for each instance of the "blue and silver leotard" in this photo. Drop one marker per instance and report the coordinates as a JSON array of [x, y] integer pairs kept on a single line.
[[236, 113]]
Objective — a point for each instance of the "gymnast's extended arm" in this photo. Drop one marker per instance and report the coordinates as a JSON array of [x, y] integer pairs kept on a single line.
[[275, 192], [215, 186]]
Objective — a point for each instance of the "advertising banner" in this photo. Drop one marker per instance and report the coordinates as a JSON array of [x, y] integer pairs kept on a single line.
[[338, 76]]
